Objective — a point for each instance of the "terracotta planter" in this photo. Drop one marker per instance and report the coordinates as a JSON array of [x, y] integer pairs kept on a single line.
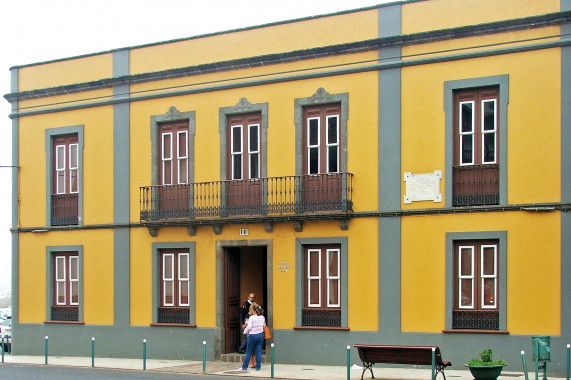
[[486, 372]]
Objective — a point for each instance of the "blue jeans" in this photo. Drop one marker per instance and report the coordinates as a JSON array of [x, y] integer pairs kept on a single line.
[[255, 341]]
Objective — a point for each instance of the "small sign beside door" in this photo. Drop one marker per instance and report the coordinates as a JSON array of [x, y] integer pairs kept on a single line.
[[243, 232]]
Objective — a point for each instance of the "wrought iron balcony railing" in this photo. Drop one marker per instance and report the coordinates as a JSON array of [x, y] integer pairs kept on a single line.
[[262, 196], [64, 209], [475, 185]]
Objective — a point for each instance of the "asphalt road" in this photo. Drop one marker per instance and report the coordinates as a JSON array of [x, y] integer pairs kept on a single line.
[[12, 371]]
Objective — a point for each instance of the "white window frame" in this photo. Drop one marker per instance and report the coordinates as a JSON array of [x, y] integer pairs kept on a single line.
[[310, 277], [73, 168], [336, 278], [493, 276], [73, 280], [166, 280], [494, 131], [235, 152], [252, 151], [60, 278], [165, 159], [469, 277], [60, 167], [183, 262], [181, 156], [316, 146], [462, 134], [336, 144]]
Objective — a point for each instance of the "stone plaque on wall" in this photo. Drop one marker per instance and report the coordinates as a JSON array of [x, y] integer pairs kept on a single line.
[[423, 187]]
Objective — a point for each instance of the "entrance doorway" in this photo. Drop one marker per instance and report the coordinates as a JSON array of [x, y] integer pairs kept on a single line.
[[245, 271]]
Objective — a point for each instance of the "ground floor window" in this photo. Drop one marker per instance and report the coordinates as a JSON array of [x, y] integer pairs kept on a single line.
[[322, 282], [64, 283]]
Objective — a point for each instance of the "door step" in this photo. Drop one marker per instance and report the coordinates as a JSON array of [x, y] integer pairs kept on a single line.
[[237, 358]]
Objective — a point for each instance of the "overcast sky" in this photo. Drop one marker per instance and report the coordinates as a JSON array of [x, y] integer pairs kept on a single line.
[[34, 31]]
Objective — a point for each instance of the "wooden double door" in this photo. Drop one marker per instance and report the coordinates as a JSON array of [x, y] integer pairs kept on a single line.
[[245, 272]]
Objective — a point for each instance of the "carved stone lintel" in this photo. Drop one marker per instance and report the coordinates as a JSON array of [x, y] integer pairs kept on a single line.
[[153, 231], [243, 105], [269, 226], [172, 113], [344, 224], [217, 229], [320, 96], [191, 230], [298, 226]]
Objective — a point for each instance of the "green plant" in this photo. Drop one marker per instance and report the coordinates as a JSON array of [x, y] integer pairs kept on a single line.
[[486, 360]]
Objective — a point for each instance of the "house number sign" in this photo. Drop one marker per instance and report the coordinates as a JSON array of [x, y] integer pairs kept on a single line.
[[423, 187]]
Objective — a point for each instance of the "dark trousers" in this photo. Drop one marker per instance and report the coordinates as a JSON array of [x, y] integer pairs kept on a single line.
[[243, 342]]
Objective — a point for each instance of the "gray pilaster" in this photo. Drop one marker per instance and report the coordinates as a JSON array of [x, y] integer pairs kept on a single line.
[[389, 177], [565, 176], [121, 190], [15, 192]]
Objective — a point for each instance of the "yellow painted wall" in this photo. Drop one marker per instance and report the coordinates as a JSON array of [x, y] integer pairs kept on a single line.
[[98, 294], [441, 14], [362, 307], [97, 164], [533, 164], [258, 41], [59, 73], [533, 269]]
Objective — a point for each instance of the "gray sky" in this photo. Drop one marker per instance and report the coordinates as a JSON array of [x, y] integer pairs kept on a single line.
[[41, 30]]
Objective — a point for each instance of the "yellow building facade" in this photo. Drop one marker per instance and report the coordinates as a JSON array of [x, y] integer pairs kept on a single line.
[[405, 181]]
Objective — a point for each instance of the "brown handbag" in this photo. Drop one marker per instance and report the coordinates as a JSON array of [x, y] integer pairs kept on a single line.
[[267, 333]]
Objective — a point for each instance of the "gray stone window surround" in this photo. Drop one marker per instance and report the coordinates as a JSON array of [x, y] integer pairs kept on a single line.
[[452, 237], [320, 97], [502, 81], [156, 278], [50, 250], [50, 134], [243, 106], [300, 243], [172, 114]]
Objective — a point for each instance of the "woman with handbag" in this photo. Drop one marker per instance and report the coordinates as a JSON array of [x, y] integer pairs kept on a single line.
[[255, 329]]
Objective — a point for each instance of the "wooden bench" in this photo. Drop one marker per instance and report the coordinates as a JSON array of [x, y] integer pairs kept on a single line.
[[421, 355]]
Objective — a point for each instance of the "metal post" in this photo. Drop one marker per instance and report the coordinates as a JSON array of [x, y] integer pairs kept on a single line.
[[433, 362], [273, 360], [2, 348], [524, 365], [46, 350], [536, 355], [348, 362], [568, 361], [203, 356], [144, 354], [93, 351]]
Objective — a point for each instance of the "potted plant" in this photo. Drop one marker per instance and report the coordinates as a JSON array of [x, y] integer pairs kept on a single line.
[[485, 368]]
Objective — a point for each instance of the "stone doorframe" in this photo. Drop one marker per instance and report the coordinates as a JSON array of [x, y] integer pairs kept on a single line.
[[220, 245]]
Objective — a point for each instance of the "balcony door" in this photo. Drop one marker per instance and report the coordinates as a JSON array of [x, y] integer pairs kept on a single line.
[[173, 197], [322, 182], [244, 188]]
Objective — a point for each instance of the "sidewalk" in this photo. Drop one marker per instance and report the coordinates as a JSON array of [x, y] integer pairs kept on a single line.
[[281, 371]]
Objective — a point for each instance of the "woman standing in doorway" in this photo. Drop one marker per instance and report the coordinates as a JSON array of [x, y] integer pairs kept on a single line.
[[255, 329]]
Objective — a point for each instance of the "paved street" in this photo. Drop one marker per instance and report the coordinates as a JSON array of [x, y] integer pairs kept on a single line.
[[9, 371]]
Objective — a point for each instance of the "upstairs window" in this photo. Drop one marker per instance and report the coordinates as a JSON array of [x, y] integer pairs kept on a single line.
[[65, 180], [476, 147]]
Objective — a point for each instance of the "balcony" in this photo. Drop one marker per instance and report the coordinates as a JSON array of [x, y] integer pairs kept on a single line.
[[254, 197], [64, 210], [476, 185]]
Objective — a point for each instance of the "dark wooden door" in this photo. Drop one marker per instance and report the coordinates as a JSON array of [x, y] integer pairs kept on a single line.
[[244, 195], [231, 299]]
